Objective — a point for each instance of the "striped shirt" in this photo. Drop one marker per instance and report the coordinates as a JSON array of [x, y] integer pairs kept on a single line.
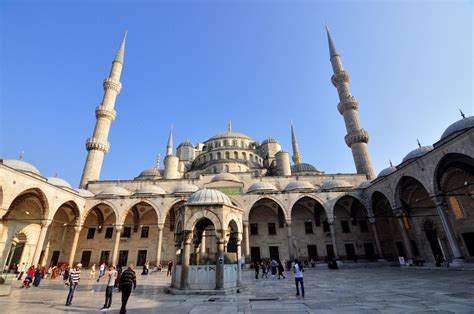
[[75, 276], [128, 278]]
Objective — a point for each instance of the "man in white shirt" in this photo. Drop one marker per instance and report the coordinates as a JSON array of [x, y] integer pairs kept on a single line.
[[112, 275], [298, 270], [22, 271]]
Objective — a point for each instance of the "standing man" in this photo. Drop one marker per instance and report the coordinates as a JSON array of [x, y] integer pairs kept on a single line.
[[127, 281], [170, 267], [74, 278], [112, 275], [22, 271], [298, 270]]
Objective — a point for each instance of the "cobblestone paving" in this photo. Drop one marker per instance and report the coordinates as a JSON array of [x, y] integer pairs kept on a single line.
[[376, 290]]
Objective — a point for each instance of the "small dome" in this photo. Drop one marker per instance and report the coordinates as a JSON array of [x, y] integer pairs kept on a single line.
[[385, 172], [364, 184], [186, 188], [84, 193], [21, 165], [299, 186], [417, 152], [262, 187], [303, 167], [150, 172], [225, 176], [269, 140], [335, 184], [150, 189], [208, 197], [58, 182], [186, 143], [114, 191], [458, 126]]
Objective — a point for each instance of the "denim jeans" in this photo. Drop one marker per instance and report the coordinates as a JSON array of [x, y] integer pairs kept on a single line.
[[300, 280], [108, 296], [72, 289]]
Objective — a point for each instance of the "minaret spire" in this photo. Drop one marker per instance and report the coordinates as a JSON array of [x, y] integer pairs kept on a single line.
[[296, 151], [169, 146], [229, 126], [158, 161], [356, 138], [98, 145]]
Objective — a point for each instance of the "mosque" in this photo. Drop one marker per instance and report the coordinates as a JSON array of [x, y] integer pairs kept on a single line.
[[232, 195]]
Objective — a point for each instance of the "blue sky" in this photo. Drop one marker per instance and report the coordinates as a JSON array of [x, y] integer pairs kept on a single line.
[[196, 64]]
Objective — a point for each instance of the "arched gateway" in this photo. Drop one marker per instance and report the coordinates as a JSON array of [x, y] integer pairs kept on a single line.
[[208, 237]]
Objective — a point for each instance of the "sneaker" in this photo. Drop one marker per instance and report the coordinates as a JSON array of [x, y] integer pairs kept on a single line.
[[104, 308]]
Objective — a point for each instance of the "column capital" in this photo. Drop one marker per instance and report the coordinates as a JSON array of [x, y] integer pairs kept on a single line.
[[119, 228], [45, 223], [372, 220], [245, 224], [161, 227], [188, 236], [78, 228], [331, 220]]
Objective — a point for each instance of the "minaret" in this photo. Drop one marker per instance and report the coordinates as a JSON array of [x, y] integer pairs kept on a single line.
[[296, 151], [171, 161], [169, 146], [98, 145], [356, 138]]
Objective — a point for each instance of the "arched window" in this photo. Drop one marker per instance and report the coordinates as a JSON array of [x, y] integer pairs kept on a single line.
[[227, 155], [456, 207], [234, 143], [236, 155], [244, 155], [219, 155], [211, 157], [226, 143]]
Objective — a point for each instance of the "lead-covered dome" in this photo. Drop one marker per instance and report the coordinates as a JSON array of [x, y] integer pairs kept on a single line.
[[21, 165], [269, 140], [225, 176], [150, 190], [303, 167], [186, 188], [186, 143], [299, 185], [84, 193], [335, 184], [385, 172], [458, 126], [150, 173], [208, 197], [262, 187], [59, 182], [230, 135], [417, 152], [114, 191]]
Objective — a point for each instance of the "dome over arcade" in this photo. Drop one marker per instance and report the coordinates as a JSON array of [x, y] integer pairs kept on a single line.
[[84, 193], [385, 172], [262, 187], [186, 143], [208, 197], [225, 176], [364, 184], [21, 165], [417, 152], [269, 140], [150, 189], [59, 182], [458, 126], [335, 184], [186, 188], [150, 173], [114, 191], [299, 186], [303, 167]]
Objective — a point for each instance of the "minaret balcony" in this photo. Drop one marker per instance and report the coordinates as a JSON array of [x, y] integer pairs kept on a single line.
[[96, 144], [104, 112], [359, 136], [110, 84], [340, 77], [348, 103]]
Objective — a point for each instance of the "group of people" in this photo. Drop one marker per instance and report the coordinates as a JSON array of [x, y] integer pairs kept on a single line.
[[269, 266]]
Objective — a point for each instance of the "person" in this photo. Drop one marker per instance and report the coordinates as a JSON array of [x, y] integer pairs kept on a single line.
[[313, 263], [112, 275], [119, 274], [298, 270], [38, 276], [29, 277], [55, 272], [65, 273], [101, 271], [74, 279], [128, 281], [63, 268], [439, 260], [242, 262], [256, 265], [159, 267], [92, 273], [280, 270], [332, 263], [48, 272], [170, 267], [145, 268], [22, 271], [274, 266]]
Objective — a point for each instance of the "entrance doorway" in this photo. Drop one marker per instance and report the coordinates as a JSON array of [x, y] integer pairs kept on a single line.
[[86, 258], [274, 254], [469, 242], [330, 251], [312, 252], [55, 258], [432, 236], [104, 257], [401, 249], [369, 251], [123, 258], [350, 251], [16, 255], [141, 257]]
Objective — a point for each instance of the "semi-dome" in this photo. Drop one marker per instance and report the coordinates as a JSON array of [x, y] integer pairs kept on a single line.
[[208, 197], [21, 165], [225, 176], [335, 184], [150, 189], [230, 135], [299, 186], [58, 182], [262, 187], [186, 143], [269, 140], [186, 188], [84, 193], [417, 152], [114, 191], [463, 124], [303, 167], [364, 184], [385, 172]]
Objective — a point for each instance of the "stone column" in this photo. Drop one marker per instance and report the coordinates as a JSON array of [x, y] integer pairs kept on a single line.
[[44, 259], [406, 239], [290, 242], [177, 247], [376, 237], [39, 245], [239, 267], [247, 242], [77, 230], [441, 208], [160, 240], [115, 254], [220, 266], [188, 236], [333, 238], [203, 242]]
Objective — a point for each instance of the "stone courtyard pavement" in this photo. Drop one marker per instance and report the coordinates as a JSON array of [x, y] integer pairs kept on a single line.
[[368, 290]]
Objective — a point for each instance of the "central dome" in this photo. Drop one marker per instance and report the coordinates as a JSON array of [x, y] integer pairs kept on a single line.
[[208, 197], [230, 135]]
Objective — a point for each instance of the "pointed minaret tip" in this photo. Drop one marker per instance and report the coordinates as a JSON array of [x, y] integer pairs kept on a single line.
[[229, 126], [158, 161], [121, 51], [332, 46], [296, 151], [169, 147]]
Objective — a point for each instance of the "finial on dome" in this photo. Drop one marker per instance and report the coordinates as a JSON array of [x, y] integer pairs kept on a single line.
[[418, 141], [462, 114], [121, 51], [229, 126], [22, 153], [158, 161], [391, 165]]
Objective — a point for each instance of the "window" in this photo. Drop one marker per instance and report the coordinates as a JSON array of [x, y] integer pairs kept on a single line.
[[455, 205], [345, 226], [326, 226], [108, 232], [127, 232], [219, 156], [363, 226], [227, 155], [236, 155], [308, 226], [141, 257], [271, 228], [145, 231], [254, 229], [90, 233]]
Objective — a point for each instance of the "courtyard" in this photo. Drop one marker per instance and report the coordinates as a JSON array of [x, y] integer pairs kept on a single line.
[[367, 290]]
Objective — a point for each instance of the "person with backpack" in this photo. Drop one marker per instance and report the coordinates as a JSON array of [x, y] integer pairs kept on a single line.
[[298, 270], [128, 280]]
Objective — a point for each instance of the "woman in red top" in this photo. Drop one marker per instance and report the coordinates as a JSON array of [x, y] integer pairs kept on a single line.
[[29, 277]]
